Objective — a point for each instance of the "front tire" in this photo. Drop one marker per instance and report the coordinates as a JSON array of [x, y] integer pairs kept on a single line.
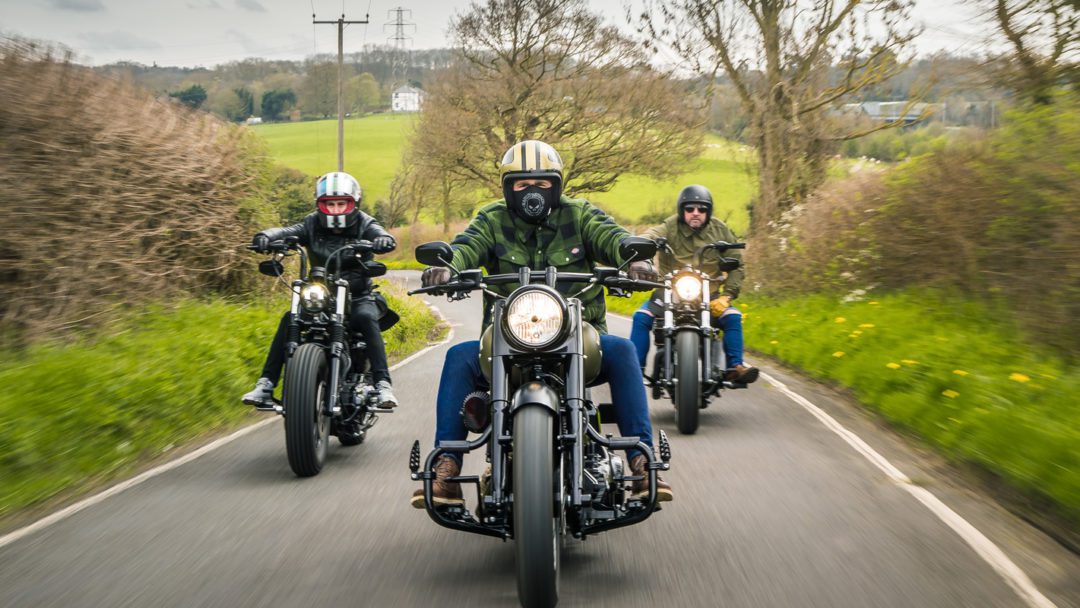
[[307, 429], [536, 534], [688, 380]]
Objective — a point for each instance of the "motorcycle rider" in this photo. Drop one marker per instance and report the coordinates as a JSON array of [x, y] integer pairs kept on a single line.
[[691, 228], [535, 225], [336, 221]]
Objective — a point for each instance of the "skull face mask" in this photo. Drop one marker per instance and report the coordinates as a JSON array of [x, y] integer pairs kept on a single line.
[[533, 204]]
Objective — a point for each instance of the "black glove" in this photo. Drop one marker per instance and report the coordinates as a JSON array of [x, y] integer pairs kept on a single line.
[[383, 244], [642, 271], [261, 243], [434, 276]]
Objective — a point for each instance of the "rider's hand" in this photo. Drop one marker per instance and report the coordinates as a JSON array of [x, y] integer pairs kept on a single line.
[[261, 243], [383, 244], [719, 305], [434, 276], [642, 271]]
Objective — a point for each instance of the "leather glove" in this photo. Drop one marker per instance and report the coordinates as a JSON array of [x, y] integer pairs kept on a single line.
[[719, 305], [642, 271], [383, 244], [434, 276], [261, 243]]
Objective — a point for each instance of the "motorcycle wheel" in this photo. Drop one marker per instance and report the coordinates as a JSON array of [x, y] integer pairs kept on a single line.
[[688, 381], [307, 429], [536, 529]]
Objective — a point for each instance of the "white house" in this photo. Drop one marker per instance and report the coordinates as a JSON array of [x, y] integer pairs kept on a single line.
[[406, 99]]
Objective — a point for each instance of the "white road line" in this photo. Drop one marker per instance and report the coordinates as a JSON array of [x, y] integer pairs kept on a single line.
[[983, 546], [67, 512]]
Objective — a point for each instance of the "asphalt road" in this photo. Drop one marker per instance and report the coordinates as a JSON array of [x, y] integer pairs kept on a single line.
[[771, 509]]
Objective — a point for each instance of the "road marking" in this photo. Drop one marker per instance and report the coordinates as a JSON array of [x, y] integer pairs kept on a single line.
[[67, 512], [983, 546]]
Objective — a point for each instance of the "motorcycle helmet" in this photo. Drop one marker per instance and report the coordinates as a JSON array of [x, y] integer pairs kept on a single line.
[[531, 159], [697, 195], [337, 186]]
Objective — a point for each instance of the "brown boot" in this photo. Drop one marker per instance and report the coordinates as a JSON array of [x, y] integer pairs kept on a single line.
[[640, 489], [442, 492], [743, 374]]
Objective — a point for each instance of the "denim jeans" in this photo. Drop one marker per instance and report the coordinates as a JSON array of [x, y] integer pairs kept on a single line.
[[461, 375], [730, 323]]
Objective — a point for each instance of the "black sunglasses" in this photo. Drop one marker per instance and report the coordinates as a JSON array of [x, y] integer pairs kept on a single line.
[[696, 208]]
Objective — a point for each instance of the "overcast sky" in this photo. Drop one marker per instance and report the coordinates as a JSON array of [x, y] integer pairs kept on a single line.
[[209, 32]]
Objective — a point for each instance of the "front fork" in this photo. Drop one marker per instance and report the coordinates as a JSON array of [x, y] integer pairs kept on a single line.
[[339, 349]]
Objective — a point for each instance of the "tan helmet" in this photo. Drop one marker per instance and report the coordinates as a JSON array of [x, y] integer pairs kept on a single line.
[[531, 159]]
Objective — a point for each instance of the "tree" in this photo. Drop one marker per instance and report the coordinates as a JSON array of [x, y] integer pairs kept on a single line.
[[192, 97], [778, 54], [276, 102], [550, 70], [247, 102], [363, 93], [318, 94], [1044, 38]]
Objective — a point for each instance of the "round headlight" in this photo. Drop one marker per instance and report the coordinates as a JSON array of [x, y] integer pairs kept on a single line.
[[535, 317], [313, 297], [688, 288]]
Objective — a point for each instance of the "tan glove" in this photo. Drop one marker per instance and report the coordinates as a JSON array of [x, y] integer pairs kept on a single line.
[[642, 271], [719, 305], [434, 276]]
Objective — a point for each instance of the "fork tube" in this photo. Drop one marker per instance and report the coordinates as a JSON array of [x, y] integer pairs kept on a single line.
[[706, 332], [499, 382], [575, 394]]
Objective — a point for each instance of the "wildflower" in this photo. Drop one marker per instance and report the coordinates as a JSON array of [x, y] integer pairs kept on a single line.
[[838, 353], [909, 362], [856, 333], [892, 365], [866, 325], [1019, 377], [840, 319], [959, 372], [951, 394], [774, 342], [873, 303]]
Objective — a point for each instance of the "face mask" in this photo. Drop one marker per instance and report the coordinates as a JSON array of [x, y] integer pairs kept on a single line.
[[533, 204]]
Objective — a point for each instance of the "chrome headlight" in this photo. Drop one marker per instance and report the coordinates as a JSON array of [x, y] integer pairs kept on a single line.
[[535, 317], [314, 296], [688, 288]]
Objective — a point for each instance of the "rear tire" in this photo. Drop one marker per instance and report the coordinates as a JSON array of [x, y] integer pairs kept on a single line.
[[536, 530], [688, 380], [307, 429]]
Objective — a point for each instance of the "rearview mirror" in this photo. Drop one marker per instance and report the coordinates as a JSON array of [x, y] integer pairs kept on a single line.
[[637, 248], [271, 268], [436, 253], [728, 264], [374, 269]]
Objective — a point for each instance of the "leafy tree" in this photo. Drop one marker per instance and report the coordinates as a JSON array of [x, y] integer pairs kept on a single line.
[[276, 102], [318, 94], [193, 96], [363, 93], [247, 102]]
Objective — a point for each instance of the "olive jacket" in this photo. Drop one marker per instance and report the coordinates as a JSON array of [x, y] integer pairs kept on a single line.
[[685, 241]]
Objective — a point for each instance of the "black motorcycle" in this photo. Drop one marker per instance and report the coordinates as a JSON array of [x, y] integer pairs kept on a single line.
[[327, 389], [551, 470], [682, 365]]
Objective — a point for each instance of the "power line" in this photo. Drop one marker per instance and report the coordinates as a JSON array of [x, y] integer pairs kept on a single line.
[[341, 23]]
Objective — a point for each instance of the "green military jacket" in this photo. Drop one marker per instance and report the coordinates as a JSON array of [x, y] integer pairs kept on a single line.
[[685, 241], [574, 238]]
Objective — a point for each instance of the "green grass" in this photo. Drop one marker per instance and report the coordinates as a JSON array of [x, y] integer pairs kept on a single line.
[[945, 368], [74, 415], [373, 148]]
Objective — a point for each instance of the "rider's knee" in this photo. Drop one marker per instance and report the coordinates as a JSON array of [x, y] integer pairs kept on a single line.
[[616, 348], [732, 317], [643, 317], [463, 356]]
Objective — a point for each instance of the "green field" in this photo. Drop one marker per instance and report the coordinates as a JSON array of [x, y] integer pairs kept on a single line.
[[373, 147]]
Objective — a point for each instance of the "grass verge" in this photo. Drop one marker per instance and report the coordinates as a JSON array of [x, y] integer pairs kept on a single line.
[[75, 415]]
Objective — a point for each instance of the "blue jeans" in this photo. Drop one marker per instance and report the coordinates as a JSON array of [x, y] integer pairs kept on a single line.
[[461, 375], [730, 323]]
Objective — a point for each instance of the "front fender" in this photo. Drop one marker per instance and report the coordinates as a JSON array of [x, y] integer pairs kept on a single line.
[[535, 393]]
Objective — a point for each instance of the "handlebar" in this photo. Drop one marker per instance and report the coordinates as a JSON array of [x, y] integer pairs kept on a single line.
[[607, 277]]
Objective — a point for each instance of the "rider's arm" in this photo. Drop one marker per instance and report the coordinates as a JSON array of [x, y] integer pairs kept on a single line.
[[735, 278], [278, 234], [473, 246], [601, 235], [656, 232], [374, 230]]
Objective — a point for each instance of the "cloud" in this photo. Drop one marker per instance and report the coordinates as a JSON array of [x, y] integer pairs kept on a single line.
[[251, 5], [116, 41], [249, 44], [202, 4], [82, 6]]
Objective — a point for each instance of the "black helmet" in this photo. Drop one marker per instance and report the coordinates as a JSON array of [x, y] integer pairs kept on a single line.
[[695, 194]]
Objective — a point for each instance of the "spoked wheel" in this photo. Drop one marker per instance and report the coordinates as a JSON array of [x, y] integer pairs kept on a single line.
[[307, 429], [536, 527], [687, 380]]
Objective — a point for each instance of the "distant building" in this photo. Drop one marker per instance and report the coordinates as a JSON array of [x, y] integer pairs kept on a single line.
[[893, 111], [406, 99], [253, 120]]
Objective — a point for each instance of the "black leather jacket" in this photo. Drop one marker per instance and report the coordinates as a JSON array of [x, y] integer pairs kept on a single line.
[[321, 242]]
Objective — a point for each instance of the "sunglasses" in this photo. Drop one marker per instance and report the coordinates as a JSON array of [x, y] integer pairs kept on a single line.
[[696, 208]]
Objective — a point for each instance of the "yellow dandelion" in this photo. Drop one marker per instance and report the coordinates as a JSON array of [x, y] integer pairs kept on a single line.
[[840, 319], [959, 372], [892, 365], [951, 394], [1018, 377], [909, 362], [866, 325], [856, 333], [838, 353], [774, 342], [873, 303]]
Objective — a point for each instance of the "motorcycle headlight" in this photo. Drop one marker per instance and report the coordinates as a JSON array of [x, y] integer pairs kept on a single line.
[[688, 288], [535, 317], [314, 296]]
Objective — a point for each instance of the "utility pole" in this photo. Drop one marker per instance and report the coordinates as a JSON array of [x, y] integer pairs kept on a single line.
[[341, 23]]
